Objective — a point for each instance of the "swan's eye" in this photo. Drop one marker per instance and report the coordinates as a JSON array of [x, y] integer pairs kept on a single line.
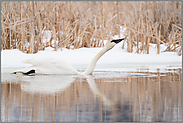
[[117, 40]]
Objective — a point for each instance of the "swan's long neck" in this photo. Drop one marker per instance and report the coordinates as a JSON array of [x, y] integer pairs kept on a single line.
[[92, 64]]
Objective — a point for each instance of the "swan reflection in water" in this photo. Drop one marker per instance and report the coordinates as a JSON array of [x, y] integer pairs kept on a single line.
[[46, 84], [92, 98], [56, 83]]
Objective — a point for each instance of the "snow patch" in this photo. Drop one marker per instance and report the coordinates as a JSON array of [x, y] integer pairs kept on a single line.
[[80, 58]]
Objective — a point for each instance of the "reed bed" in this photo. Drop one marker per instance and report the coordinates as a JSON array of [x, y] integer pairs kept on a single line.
[[142, 98], [76, 24]]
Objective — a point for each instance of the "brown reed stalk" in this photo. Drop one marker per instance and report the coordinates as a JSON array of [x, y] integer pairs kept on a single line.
[[21, 19]]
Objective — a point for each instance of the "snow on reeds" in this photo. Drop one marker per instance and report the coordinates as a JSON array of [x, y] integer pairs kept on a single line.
[[76, 24]]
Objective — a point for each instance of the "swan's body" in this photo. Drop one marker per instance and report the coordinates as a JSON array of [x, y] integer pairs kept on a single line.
[[57, 66], [49, 66]]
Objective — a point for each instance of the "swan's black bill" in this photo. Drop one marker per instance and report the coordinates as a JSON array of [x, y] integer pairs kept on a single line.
[[117, 40], [30, 72]]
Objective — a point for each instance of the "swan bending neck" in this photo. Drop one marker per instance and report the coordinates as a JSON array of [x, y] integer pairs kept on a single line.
[[92, 64]]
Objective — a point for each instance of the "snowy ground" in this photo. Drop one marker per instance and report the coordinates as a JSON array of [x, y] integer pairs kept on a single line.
[[115, 59]]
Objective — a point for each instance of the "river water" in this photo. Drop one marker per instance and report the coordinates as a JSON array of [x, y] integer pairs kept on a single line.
[[105, 96]]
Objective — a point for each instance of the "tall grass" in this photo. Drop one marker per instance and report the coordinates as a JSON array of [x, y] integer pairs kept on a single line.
[[153, 22], [76, 24]]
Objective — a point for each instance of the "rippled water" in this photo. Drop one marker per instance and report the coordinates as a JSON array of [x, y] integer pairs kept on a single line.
[[107, 96]]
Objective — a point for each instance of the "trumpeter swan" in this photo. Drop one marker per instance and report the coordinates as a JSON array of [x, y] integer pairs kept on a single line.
[[57, 66]]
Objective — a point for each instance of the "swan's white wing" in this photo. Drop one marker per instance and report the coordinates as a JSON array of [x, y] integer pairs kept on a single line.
[[48, 66]]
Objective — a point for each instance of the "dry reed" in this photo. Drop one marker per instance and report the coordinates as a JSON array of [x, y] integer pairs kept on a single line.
[[76, 24]]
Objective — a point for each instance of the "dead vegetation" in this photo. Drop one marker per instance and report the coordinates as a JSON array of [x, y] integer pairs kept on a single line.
[[76, 24]]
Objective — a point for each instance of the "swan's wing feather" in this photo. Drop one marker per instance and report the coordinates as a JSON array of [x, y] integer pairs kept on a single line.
[[49, 66], [40, 61]]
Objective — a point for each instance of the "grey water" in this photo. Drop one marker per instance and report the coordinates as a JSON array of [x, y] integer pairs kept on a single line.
[[105, 96]]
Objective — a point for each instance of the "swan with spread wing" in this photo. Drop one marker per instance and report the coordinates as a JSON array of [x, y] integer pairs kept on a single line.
[[57, 66]]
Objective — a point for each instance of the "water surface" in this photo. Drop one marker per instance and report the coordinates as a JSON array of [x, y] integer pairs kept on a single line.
[[106, 96]]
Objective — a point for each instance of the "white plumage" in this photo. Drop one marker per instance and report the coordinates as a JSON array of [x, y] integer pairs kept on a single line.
[[49, 65], [57, 66]]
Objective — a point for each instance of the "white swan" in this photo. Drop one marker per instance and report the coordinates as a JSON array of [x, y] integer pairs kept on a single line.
[[57, 66]]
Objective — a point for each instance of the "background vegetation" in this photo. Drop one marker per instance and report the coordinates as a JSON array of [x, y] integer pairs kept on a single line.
[[76, 24]]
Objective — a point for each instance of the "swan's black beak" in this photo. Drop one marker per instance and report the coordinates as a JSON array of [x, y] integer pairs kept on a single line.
[[117, 40]]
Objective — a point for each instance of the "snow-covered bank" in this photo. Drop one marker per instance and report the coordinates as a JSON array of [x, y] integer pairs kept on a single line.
[[80, 58]]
